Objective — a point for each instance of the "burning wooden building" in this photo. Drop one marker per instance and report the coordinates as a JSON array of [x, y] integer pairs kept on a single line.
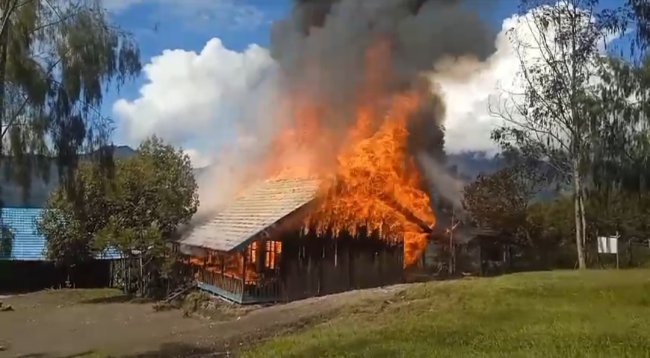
[[258, 250], [365, 219]]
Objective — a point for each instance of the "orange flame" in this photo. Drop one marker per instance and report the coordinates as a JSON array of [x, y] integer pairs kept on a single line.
[[363, 166]]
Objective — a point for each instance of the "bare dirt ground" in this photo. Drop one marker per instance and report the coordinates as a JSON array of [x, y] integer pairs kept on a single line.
[[71, 323]]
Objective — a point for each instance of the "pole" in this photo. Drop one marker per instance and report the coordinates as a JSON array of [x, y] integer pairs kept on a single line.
[[617, 237], [451, 244]]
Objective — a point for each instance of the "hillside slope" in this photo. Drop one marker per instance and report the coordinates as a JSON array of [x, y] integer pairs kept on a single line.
[[549, 314]]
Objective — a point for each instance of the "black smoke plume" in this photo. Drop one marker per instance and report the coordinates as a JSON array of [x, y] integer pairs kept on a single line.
[[334, 36]]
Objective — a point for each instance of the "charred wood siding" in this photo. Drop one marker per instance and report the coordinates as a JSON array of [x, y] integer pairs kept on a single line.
[[306, 267], [314, 266]]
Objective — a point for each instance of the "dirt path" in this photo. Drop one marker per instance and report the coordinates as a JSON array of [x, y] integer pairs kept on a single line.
[[53, 324]]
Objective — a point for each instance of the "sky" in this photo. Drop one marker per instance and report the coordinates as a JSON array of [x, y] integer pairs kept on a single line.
[[174, 34], [203, 58]]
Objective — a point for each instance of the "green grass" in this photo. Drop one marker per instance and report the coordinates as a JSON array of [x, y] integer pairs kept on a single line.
[[547, 314]]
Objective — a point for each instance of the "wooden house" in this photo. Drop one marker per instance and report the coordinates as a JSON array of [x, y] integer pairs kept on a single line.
[[24, 265], [469, 251], [255, 250]]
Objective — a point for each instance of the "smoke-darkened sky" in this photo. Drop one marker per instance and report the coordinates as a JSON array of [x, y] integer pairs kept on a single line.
[[335, 37]]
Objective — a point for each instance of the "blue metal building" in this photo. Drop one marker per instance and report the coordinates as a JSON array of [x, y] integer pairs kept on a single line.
[[24, 243], [23, 258]]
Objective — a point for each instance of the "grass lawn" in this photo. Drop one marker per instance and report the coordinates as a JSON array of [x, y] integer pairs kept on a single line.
[[543, 314]]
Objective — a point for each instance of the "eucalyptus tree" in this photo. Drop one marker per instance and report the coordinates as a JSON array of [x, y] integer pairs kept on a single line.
[[639, 14], [57, 59], [559, 48]]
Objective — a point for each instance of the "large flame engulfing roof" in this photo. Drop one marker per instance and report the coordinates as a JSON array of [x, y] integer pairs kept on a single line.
[[366, 168], [349, 109]]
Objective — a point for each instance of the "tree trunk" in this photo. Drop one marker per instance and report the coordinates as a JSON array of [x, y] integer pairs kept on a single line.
[[141, 278], [583, 219], [128, 274], [579, 216], [4, 35]]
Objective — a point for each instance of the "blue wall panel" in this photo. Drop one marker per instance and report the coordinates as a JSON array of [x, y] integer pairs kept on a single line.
[[27, 244]]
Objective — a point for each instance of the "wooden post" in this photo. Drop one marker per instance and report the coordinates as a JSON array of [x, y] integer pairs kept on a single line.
[[243, 274], [336, 252], [350, 263], [223, 265], [451, 245], [261, 254], [617, 248], [480, 258]]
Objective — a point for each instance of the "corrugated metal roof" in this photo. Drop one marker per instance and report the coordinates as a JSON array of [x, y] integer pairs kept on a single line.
[[27, 244], [256, 209]]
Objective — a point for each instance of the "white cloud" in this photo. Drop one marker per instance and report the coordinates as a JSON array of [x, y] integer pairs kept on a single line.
[[472, 87], [217, 103], [467, 91], [190, 96]]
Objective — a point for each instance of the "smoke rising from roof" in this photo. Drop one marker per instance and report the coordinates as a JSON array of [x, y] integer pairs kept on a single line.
[[322, 49]]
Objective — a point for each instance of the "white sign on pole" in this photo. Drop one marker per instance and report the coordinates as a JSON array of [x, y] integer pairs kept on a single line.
[[608, 244]]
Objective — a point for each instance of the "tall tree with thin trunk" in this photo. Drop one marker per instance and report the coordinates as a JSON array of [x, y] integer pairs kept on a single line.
[[57, 58], [559, 49]]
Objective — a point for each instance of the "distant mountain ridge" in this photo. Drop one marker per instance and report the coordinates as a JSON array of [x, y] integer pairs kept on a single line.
[[11, 193], [468, 165]]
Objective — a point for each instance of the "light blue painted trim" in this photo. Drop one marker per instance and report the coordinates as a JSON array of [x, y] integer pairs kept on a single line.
[[220, 292], [232, 297]]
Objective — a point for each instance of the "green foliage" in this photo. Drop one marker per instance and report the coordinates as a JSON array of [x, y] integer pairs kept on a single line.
[[621, 154], [505, 202], [553, 220], [136, 212], [640, 14], [57, 58], [550, 120], [157, 186], [6, 241], [619, 211], [70, 227], [500, 201], [576, 112]]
